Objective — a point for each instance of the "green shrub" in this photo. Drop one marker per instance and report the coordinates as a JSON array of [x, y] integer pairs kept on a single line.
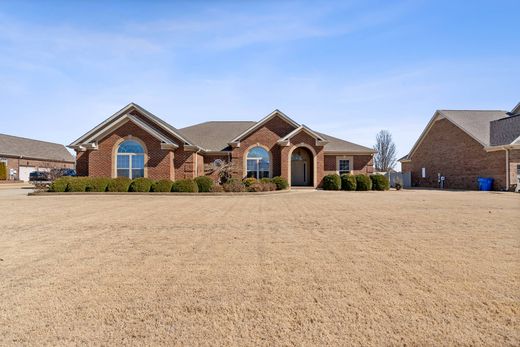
[[332, 182], [348, 182], [363, 183], [380, 182], [185, 186], [141, 185], [249, 181], [162, 186], [204, 183], [3, 171], [280, 182], [120, 184], [234, 186], [97, 184], [59, 185], [77, 184]]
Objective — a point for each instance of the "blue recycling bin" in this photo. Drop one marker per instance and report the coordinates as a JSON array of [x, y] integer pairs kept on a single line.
[[485, 183]]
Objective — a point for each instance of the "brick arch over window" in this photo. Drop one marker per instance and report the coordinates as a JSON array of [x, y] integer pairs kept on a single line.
[[246, 154]]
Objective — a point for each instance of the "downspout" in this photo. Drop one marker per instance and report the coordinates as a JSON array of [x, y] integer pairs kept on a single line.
[[507, 168]]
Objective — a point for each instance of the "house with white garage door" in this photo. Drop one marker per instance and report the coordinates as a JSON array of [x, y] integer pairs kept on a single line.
[[24, 156]]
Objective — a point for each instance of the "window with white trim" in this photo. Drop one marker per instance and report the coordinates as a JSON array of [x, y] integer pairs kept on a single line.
[[343, 166], [423, 172], [258, 163], [130, 159]]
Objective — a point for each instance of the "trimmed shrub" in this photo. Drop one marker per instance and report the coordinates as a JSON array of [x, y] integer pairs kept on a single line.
[[119, 184], [204, 183], [266, 180], [77, 184], [234, 186], [217, 189], [141, 185], [380, 182], [280, 182], [249, 181], [162, 186], [59, 185], [97, 184], [363, 183], [348, 182], [3, 171], [332, 182], [185, 186]]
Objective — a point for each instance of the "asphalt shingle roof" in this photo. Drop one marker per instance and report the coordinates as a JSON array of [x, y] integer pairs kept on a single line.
[[216, 135], [476, 122], [35, 149]]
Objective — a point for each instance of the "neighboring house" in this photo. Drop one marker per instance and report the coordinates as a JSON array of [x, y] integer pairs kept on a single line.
[[464, 145], [135, 143], [24, 156]]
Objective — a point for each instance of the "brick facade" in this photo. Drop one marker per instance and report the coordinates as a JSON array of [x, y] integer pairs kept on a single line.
[[451, 152], [183, 163]]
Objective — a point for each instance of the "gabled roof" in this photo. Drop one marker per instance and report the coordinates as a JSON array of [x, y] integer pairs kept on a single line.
[[516, 109], [320, 141], [119, 116], [475, 123], [275, 113], [35, 149], [215, 135]]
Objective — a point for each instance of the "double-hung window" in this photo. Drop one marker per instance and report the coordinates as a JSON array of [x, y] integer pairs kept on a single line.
[[343, 166]]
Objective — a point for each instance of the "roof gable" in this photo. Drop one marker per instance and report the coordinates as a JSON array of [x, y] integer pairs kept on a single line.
[[475, 123], [123, 115], [320, 141], [275, 113]]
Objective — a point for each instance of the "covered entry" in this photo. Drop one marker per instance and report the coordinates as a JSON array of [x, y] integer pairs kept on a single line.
[[301, 167]]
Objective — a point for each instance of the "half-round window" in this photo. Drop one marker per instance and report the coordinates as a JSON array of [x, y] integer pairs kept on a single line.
[[258, 163], [130, 159]]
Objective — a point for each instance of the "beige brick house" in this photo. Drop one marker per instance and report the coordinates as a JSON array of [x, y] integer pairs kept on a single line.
[[462, 145], [135, 143]]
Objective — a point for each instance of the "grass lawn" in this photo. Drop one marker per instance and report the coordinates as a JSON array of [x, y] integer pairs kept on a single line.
[[302, 268]]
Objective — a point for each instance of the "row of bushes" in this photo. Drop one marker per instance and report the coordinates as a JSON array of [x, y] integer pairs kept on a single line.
[[355, 182], [199, 184]]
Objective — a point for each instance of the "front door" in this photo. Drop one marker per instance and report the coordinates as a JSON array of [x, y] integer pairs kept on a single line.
[[300, 167], [299, 173]]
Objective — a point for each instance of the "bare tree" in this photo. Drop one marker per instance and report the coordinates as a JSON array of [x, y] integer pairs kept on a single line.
[[385, 158], [224, 170]]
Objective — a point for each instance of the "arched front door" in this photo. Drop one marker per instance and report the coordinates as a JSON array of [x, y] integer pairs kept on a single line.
[[301, 167]]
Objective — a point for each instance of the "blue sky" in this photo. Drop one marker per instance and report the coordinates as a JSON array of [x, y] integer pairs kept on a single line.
[[346, 68]]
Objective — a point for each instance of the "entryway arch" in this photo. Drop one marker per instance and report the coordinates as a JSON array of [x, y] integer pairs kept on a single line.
[[302, 166]]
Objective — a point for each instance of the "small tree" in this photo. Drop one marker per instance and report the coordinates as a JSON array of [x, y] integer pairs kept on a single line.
[[223, 169], [385, 158]]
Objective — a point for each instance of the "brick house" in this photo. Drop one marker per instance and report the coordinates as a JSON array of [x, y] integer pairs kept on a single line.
[[135, 143], [24, 156], [463, 145]]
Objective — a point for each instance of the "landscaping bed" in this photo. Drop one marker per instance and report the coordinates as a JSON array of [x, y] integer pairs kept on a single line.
[[200, 185]]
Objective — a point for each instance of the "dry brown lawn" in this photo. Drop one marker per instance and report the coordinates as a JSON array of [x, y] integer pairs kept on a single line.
[[300, 268]]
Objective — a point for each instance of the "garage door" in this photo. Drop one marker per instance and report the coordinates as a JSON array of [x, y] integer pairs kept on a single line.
[[23, 175]]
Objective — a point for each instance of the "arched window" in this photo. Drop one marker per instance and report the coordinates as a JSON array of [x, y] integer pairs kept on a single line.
[[258, 163], [130, 159]]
